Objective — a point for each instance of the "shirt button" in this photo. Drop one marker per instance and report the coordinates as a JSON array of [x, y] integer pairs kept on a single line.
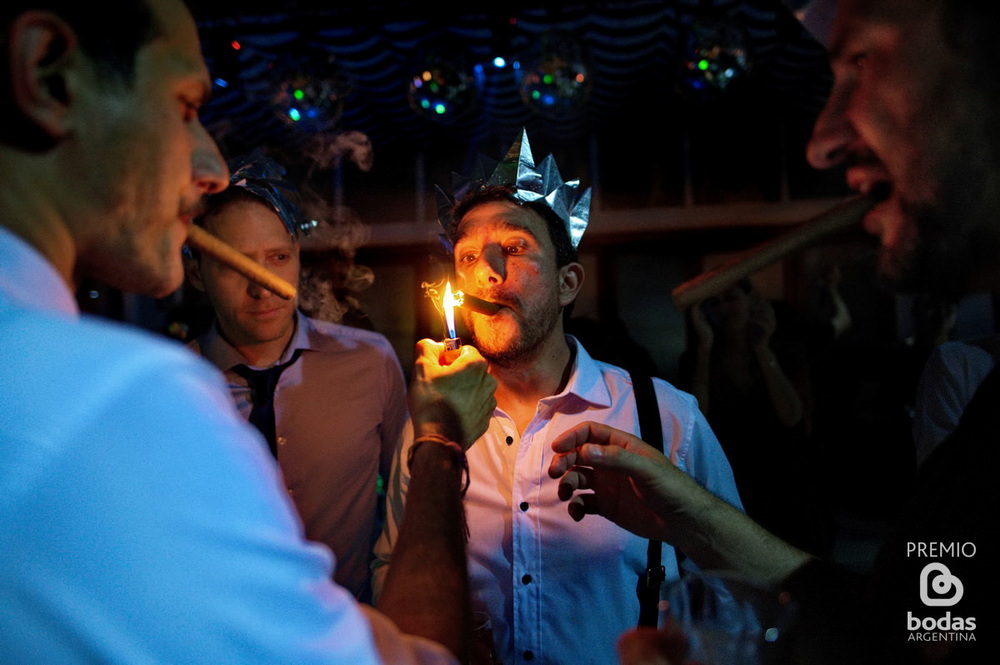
[[281, 440], [526, 579], [524, 506], [510, 440], [528, 655]]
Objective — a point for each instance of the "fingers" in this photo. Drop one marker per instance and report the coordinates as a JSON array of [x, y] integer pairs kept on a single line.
[[429, 349], [582, 505], [599, 445], [578, 508], [588, 432], [454, 394], [567, 447], [430, 355], [578, 478]]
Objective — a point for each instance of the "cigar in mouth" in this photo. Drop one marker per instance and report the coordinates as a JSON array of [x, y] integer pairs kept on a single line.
[[479, 305], [203, 241], [846, 214]]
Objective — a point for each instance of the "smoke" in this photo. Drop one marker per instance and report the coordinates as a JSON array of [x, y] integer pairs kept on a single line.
[[435, 292], [330, 278], [328, 150]]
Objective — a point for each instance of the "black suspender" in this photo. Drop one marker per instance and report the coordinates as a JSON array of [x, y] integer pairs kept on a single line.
[[651, 431]]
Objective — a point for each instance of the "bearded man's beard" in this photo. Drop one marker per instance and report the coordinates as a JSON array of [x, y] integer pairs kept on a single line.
[[505, 349], [943, 254]]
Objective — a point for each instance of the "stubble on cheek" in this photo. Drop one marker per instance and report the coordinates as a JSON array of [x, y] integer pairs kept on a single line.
[[489, 333]]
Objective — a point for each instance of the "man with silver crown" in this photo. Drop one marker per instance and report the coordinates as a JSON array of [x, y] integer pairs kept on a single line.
[[555, 591]]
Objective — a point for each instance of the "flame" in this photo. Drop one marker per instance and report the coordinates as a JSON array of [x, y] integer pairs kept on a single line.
[[449, 302]]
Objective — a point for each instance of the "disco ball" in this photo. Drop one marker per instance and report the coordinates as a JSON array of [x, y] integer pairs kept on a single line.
[[442, 89], [309, 92], [559, 85], [715, 60]]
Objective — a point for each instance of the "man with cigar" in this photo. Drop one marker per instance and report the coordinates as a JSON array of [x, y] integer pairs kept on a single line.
[[329, 399], [142, 519], [913, 110], [555, 593]]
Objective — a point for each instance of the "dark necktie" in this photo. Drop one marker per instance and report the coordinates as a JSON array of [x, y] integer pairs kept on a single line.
[[262, 383]]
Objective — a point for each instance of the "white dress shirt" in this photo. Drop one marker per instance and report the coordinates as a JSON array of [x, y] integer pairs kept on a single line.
[[556, 590]]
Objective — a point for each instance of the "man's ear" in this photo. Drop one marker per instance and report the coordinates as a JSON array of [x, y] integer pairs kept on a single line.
[[40, 50], [570, 282]]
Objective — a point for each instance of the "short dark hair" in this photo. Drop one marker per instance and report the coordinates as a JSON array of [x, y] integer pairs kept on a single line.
[[565, 252], [111, 37]]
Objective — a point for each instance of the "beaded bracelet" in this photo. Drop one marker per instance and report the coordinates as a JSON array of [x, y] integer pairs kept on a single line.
[[456, 450]]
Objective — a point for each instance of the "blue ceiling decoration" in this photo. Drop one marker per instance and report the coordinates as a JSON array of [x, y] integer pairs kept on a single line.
[[361, 60], [611, 88]]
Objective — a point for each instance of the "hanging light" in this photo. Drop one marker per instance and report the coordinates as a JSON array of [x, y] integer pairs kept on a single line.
[[309, 90], [714, 60], [442, 88], [556, 83]]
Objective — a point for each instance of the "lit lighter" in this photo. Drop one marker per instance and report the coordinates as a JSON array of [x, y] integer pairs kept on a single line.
[[453, 344]]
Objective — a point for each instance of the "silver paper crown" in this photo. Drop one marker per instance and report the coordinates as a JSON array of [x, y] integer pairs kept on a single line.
[[530, 183], [265, 178]]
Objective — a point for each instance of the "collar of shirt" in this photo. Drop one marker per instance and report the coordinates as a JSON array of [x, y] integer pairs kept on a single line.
[[213, 346], [30, 280], [586, 384]]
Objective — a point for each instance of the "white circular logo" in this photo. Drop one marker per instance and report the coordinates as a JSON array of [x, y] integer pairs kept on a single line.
[[947, 588]]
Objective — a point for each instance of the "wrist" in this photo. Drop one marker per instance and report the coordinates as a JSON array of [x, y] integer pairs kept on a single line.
[[432, 429], [437, 419], [431, 443]]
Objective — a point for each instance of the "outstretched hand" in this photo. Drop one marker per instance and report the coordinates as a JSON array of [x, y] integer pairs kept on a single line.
[[453, 399], [631, 483], [636, 487]]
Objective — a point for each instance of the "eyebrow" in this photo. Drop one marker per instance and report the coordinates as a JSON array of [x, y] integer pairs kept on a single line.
[[504, 225], [195, 72]]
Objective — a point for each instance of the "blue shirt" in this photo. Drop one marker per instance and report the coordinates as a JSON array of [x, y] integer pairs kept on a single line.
[[141, 519]]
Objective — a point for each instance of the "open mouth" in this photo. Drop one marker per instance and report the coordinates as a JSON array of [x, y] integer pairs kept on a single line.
[[869, 181], [879, 192]]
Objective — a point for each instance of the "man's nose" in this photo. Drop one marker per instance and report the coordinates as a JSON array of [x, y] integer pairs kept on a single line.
[[833, 132], [491, 267], [208, 168]]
